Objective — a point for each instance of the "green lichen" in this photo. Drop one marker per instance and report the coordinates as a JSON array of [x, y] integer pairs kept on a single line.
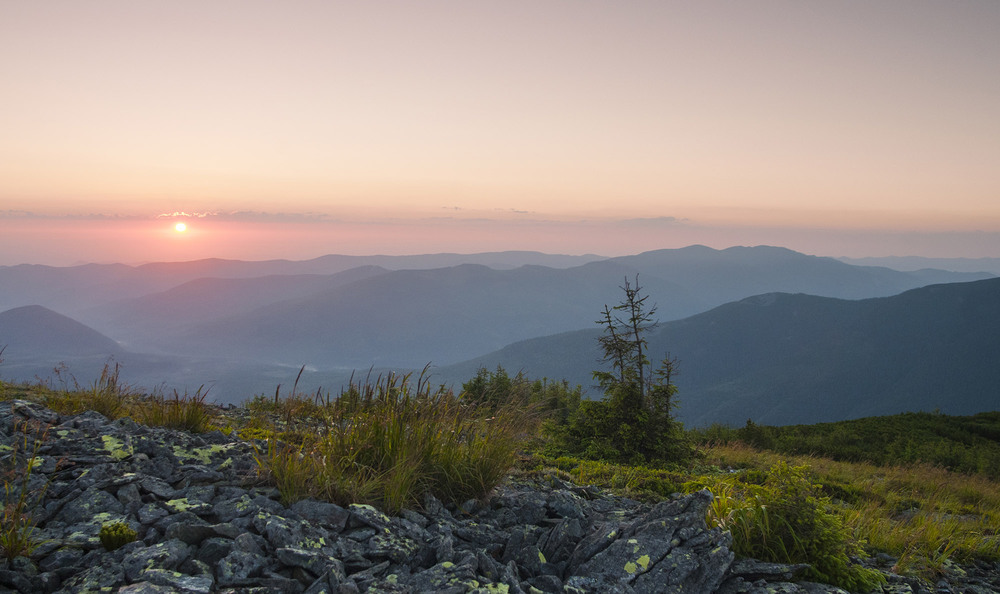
[[100, 518], [634, 566], [312, 544], [183, 505], [201, 455], [116, 448]]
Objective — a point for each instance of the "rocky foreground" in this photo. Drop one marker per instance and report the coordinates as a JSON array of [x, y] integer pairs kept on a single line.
[[203, 528]]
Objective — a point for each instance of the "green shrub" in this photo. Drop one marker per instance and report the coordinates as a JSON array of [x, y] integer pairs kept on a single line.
[[115, 535], [784, 520]]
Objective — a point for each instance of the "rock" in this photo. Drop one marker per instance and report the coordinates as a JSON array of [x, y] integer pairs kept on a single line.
[[236, 567], [327, 515], [164, 555], [202, 529], [667, 549], [146, 588], [178, 581], [89, 504]]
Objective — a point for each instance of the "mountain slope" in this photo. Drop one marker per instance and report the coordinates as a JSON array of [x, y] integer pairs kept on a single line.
[[411, 317], [785, 359], [148, 322], [35, 331]]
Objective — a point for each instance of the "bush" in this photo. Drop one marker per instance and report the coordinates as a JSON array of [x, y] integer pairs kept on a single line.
[[785, 520], [115, 535]]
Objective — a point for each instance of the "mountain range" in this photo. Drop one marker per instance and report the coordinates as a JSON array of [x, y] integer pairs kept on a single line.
[[782, 358], [763, 332]]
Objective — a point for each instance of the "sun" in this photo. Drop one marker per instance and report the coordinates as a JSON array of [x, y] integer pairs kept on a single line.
[[180, 227]]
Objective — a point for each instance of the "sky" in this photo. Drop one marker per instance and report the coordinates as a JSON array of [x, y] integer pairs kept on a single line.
[[303, 128]]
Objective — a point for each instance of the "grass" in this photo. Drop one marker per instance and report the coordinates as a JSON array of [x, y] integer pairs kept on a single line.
[[20, 492], [925, 516], [389, 443], [115, 399], [969, 444]]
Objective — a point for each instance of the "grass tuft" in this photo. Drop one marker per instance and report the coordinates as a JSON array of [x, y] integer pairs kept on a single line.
[[187, 412], [21, 492], [389, 443]]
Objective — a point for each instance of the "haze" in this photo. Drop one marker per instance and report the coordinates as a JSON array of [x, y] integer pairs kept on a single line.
[[291, 130]]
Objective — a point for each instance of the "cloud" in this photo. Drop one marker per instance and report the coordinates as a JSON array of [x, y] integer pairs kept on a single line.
[[275, 217], [655, 222], [27, 214], [18, 214], [186, 215]]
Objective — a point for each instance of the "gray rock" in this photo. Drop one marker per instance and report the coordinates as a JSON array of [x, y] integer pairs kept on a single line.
[[557, 544], [311, 560], [236, 507], [661, 551], [146, 588], [752, 570], [16, 580], [95, 579], [129, 494], [150, 513], [158, 487], [236, 567], [34, 412], [89, 504], [328, 515], [192, 534], [177, 581], [212, 550], [166, 555]]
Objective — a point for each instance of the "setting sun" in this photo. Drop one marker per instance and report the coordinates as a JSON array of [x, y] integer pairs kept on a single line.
[[180, 227]]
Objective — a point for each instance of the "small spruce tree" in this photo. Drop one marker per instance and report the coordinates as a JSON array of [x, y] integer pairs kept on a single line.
[[634, 423]]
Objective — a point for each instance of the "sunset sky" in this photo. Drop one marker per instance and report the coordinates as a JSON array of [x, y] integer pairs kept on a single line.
[[302, 128]]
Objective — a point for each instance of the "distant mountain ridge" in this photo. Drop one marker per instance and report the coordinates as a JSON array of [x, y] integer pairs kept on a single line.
[[409, 317], [917, 263], [786, 359], [243, 334], [73, 289]]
